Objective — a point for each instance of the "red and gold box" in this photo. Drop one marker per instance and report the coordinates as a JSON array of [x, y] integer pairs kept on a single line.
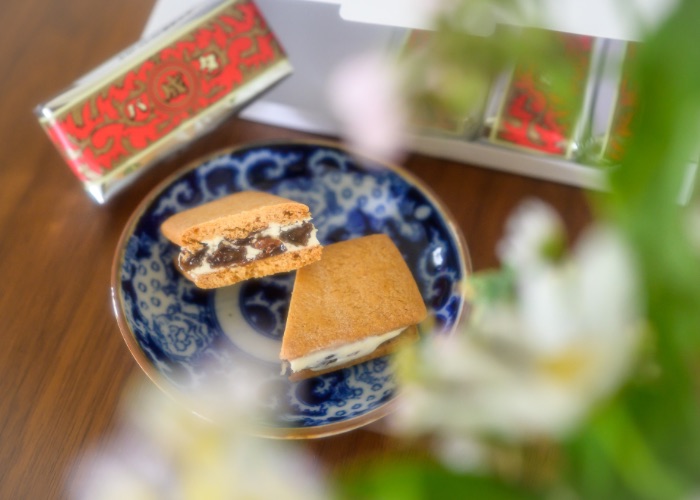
[[539, 116], [162, 93], [619, 133]]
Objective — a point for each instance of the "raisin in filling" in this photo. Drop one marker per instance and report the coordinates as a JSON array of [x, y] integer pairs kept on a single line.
[[234, 252], [269, 247], [227, 254], [192, 260], [231, 253], [298, 235]]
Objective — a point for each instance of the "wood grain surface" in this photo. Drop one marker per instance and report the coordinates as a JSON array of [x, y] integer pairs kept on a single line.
[[63, 363]]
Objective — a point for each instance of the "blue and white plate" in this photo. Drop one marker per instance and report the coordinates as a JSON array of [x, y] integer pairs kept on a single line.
[[187, 339]]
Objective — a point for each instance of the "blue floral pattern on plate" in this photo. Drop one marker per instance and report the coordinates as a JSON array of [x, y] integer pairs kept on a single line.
[[180, 329]]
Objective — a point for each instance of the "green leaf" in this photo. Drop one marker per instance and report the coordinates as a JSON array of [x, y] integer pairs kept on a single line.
[[613, 456], [423, 480], [644, 204]]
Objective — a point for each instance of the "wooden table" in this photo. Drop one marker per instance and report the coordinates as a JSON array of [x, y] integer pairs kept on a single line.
[[63, 363]]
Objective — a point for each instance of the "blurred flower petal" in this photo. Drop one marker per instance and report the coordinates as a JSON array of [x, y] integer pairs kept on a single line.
[[365, 97], [530, 229], [534, 362], [164, 451]]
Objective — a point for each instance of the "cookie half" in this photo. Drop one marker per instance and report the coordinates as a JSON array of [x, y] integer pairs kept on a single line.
[[245, 235], [358, 302]]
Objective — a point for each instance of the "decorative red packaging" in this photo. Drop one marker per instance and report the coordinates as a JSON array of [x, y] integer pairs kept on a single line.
[[162, 93], [536, 116], [626, 103]]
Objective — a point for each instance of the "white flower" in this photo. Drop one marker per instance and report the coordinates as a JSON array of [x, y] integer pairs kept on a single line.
[[462, 454], [530, 231], [532, 364], [364, 94], [164, 451], [127, 469]]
